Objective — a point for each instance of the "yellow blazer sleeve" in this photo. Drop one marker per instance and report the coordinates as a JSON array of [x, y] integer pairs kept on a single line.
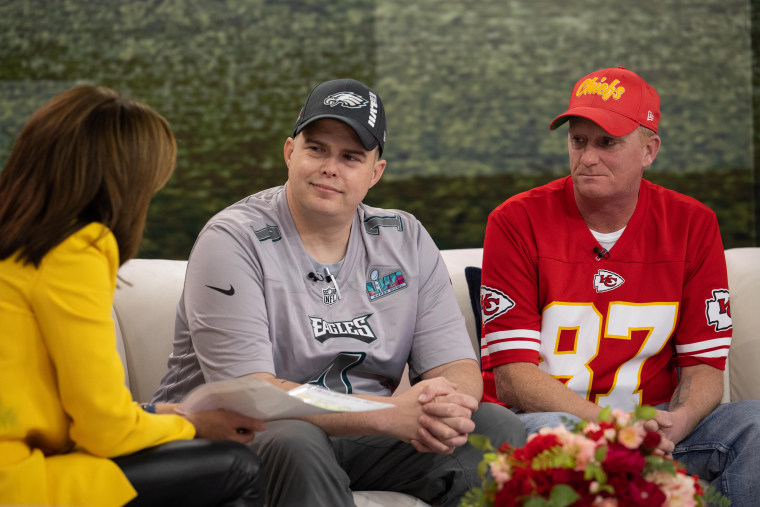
[[72, 298]]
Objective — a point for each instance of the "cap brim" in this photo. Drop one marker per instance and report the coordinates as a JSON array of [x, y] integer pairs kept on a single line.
[[613, 123], [365, 136]]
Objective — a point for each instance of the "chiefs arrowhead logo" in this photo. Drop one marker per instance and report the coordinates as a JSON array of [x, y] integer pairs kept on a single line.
[[607, 280], [718, 310], [493, 303]]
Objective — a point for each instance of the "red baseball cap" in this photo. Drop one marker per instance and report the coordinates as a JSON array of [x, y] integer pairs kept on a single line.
[[618, 100]]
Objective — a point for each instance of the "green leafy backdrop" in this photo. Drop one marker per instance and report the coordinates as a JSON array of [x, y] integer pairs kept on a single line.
[[469, 88]]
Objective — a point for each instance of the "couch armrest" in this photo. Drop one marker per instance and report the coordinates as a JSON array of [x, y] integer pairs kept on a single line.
[[744, 286], [456, 260], [145, 305]]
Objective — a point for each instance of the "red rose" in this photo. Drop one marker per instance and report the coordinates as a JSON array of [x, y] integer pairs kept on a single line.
[[621, 460], [595, 435], [535, 446], [641, 492], [514, 489], [652, 440]]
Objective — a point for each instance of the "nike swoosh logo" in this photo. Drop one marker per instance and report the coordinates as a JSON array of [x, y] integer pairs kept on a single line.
[[228, 292]]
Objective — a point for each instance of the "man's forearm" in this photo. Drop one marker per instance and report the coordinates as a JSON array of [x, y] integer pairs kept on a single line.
[[699, 391], [526, 387], [464, 373], [401, 422]]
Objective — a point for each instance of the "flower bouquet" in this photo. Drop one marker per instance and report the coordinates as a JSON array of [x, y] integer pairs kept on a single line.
[[613, 462]]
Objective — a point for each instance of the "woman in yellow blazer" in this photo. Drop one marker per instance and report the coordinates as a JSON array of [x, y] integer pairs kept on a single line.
[[74, 195]]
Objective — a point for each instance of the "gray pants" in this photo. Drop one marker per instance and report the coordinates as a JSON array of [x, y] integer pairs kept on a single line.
[[306, 467]]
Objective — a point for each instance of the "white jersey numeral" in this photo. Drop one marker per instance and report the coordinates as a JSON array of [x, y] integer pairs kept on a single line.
[[657, 319]]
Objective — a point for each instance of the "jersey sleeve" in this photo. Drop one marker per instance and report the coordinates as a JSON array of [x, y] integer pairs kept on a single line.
[[224, 304], [509, 290], [72, 300], [440, 333], [704, 331]]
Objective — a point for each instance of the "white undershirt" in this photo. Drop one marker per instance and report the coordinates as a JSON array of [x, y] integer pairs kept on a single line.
[[608, 239]]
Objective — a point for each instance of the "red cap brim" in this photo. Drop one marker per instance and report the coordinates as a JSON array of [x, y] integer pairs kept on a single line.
[[613, 123]]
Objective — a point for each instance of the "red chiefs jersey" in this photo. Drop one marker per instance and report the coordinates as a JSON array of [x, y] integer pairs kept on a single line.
[[613, 326]]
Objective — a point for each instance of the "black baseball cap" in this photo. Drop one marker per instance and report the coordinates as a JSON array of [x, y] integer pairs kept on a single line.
[[351, 102]]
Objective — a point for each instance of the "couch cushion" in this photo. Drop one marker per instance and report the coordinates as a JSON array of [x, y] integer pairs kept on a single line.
[[145, 304], [744, 357], [456, 261]]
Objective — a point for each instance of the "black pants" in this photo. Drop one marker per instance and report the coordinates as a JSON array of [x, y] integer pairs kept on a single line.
[[195, 473]]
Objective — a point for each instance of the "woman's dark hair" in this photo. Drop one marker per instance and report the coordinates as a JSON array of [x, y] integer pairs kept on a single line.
[[87, 155]]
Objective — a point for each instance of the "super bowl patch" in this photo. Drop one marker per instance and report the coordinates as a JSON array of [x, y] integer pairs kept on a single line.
[[382, 285]]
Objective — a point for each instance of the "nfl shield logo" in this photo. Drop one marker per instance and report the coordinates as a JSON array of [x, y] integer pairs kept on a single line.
[[329, 296]]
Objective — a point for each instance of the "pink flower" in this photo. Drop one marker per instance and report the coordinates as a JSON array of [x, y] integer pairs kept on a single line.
[[679, 489], [605, 502], [621, 418], [582, 448], [500, 470], [631, 436]]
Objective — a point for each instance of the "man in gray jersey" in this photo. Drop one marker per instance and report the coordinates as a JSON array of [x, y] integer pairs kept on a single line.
[[306, 284]]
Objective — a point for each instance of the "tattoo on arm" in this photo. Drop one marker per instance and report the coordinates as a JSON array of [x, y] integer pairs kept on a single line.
[[680, 395]]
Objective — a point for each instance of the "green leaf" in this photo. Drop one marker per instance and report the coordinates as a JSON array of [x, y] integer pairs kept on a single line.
[[605, 414], [480, 442], [562, 495], [537, 502], [714, 497], [475, 497], [596, 473], [645, 412], [658, 463], [601, 453], [572, 425]]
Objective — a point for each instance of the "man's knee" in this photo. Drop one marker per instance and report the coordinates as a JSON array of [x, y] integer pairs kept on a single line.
[[499, 424], [292, 442], [534, 421], [736, 422]]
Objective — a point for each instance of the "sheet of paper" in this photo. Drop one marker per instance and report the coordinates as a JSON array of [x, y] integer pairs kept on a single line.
[[258, 398]]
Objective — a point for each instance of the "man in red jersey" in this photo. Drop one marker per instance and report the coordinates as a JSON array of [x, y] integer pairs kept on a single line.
[[603, 289]]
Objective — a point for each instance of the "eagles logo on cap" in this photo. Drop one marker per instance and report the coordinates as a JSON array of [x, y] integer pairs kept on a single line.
[[345, 99], [351, 102]]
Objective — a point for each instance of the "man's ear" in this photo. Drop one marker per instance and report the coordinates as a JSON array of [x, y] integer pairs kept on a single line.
[[287, 150], [377, 172], [652, 147]]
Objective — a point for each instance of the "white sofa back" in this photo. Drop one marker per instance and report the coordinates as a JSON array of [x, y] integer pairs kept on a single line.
[[149, 289], [743, 380], [145, 304]]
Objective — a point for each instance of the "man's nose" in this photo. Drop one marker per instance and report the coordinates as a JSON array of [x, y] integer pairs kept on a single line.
[[589, 155], [330, 166]]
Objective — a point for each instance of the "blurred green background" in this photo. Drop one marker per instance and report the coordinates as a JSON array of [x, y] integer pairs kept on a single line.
[[469, 87]]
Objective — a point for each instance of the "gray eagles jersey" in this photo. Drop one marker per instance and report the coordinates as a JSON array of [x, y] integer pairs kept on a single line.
[[249, 304]]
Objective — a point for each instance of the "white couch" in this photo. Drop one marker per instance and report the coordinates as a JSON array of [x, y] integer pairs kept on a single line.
[[146, 301], [148, 291]]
